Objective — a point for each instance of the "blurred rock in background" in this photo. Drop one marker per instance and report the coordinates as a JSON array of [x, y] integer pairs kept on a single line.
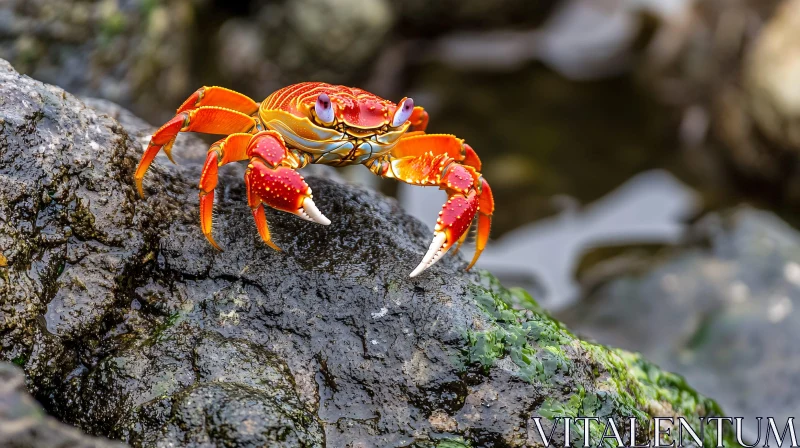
[[134, 52], [24, 424], [723, 310]]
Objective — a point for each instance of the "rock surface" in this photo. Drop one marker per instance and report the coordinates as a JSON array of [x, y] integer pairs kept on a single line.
[[130, 325], [724, 311], [24, 424]]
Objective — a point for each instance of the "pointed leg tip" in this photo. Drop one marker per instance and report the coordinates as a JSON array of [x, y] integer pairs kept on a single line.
[[474, 259], [418, 270], [211, 241], [139, 188]]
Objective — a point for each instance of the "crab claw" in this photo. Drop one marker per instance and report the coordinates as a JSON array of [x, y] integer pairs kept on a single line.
[[284, 189], [309, 211], [454, 220]]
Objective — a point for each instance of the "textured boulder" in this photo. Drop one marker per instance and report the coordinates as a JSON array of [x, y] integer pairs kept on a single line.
[[130, 325]]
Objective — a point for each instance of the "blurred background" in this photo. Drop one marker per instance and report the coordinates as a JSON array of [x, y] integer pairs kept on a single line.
[[643, 153]]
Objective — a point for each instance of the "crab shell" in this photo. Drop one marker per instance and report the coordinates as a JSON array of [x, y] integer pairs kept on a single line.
[[361, 128]]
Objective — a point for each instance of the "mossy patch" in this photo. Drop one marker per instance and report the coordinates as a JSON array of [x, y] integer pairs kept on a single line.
[[511, 332], [452, 443], [620, 384]]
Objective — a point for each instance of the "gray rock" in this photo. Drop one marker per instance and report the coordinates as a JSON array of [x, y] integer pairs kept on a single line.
[[129, 324], [24, 424], [723, 311]]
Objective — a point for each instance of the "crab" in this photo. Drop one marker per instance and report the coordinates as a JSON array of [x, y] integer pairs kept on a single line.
[[314, 122]]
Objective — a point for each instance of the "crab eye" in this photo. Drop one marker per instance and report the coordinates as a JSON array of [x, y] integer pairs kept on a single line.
[[403, 112], [324, 108]]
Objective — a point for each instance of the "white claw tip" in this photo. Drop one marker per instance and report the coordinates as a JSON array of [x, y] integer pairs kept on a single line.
[[312, 213], [435, 252]]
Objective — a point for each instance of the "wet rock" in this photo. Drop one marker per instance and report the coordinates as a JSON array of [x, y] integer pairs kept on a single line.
[[24, 424], [723, 311], [129, 324]]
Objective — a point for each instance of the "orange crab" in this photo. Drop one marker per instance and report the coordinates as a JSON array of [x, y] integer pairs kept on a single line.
[[313, 122]]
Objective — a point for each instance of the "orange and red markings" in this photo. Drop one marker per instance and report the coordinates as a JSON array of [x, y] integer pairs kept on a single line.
[[486, 198], [167, 132], [458, 178], [471, 157], [419, 119], [457, 215], [208, 178], [192, 101], [268, 147], [281, 188]]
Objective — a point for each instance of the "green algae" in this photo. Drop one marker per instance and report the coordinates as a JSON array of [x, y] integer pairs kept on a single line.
[[624, 385], [511, 332], [452, 443]]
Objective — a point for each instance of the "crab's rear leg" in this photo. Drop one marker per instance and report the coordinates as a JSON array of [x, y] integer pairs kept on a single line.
[[206, 119], [220, 97], [447, 162]]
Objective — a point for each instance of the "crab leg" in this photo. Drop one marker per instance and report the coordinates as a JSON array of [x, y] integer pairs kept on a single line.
[[272, 180], [230, 149], [444, 161], [220, 97], [419, 119], [485, 210], [206, 119], [418, 143]]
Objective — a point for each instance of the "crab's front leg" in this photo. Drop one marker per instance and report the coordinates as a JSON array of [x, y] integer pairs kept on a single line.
[[270, 179], [447, 162]]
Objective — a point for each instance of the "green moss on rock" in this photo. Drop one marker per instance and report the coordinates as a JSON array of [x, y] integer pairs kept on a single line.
[[545, 353]]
